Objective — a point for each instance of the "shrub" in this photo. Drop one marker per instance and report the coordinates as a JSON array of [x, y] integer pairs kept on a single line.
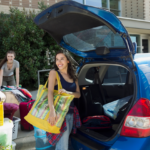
[[19, 33]]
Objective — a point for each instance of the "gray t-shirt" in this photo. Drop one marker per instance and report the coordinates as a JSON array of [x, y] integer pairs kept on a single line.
[[10, 72]]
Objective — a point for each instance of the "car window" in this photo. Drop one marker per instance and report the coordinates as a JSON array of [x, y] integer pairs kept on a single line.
[[93, 38], [115, 74]]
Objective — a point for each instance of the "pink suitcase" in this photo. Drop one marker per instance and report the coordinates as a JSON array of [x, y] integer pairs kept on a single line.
[[25, 107]]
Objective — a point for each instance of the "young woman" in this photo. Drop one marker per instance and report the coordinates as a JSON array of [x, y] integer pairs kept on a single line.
[[7, 67], [64, 67]]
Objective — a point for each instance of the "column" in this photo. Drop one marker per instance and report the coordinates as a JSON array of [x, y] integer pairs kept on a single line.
[[108, 4], [141, 47], [84, 2], [119, 7]]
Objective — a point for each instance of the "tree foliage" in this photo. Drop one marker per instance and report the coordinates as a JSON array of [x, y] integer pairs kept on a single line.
[[18, 32]]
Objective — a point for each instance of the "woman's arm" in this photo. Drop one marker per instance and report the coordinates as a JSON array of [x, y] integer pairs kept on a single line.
[[1, 77], [51, 83], [76, 94], [17, 77]]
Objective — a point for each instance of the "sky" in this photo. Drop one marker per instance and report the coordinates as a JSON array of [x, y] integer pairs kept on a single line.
[[96, 3]]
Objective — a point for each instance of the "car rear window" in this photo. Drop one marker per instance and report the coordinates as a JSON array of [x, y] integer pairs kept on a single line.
[[115, 74], [91, 39]]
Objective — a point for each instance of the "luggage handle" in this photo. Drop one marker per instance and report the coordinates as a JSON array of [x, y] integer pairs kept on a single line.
[[29, 103]]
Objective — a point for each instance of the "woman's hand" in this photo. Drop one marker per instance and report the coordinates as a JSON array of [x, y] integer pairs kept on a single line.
[[17, 86], [52, 117], [63, 91]]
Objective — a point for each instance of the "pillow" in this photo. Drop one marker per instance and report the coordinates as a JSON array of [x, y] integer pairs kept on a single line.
[[10, 109]]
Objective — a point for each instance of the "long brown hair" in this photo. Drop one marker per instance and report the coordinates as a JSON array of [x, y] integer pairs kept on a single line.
[[71, 66], [5, 58]]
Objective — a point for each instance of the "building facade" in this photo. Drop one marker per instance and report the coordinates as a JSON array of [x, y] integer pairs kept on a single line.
[[20, 4], [134, 14]]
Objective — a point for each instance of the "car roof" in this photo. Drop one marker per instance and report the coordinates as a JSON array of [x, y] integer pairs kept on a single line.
[[142, 58]]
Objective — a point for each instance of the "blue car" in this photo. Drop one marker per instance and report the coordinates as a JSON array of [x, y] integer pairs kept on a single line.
[[111, 71]]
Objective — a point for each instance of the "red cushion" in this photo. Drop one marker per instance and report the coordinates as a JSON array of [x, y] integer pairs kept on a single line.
[[10, 109], [97, 122]]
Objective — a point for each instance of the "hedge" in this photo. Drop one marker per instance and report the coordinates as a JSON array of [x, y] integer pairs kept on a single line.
[[19, 33]]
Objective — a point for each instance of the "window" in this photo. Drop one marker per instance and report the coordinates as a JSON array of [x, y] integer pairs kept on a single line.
[[79, 1], [112, 5], [95, 3], [104, 3], [91, 39], [115, 74]]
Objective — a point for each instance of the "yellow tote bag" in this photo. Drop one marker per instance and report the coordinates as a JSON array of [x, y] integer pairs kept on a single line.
[[39, 113]]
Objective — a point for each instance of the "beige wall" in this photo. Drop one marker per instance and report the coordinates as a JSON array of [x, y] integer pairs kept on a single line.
[[139, 9], [5, 9], [25, 3], [28, 4]]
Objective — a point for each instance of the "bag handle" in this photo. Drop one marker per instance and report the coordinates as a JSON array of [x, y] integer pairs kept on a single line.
[[58, 81]]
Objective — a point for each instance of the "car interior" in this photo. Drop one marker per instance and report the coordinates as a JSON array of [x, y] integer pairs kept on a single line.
[[102, 84]]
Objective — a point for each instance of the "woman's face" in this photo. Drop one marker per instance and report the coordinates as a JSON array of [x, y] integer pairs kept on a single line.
[[10, 57], [61, 61]]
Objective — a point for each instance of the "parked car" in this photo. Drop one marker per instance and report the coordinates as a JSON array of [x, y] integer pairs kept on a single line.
[[99, 37]]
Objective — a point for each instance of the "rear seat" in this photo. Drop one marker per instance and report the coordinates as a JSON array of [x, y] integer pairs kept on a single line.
[[91, 101]]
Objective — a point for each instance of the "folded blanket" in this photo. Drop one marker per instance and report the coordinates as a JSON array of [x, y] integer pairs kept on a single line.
[[21, 94], [26, 92]]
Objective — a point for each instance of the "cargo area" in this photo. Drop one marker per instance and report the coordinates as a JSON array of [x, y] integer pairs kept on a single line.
[[115, 83]]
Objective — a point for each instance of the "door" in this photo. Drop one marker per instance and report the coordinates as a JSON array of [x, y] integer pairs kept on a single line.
[[145, 45]]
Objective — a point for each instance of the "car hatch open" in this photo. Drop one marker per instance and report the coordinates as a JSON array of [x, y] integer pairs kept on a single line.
[[86, 31]]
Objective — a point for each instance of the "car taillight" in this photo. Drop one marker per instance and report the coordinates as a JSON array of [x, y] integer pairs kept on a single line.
[[137, 122]]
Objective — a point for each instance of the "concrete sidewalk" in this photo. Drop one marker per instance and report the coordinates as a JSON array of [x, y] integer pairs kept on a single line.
[[34, 93], [25, 139]]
